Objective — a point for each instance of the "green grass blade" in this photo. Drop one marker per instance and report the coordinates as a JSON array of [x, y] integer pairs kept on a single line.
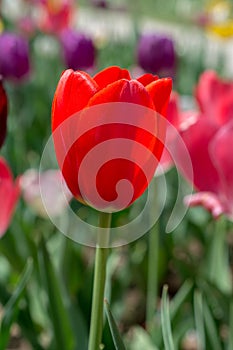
[[166, 322], [199, 319], [117, 340], [11, 308]]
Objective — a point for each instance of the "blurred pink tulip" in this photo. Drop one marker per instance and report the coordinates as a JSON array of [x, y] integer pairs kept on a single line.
[[9, 194], [180, 120], [34, 183], [210, 142]]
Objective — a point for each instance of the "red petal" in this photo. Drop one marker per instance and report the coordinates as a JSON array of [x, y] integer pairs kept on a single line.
[[147, 78], [9, 193], [3, 113], [221, 155], [160, 91], [109, 75], [197, 139], [72, 94], [123, 91]]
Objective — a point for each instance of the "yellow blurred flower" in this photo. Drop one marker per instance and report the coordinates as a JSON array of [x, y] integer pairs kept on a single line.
[[220, 17], [1, 26]]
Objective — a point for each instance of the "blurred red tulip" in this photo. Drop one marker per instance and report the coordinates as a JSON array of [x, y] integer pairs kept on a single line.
[[210, 142], [3, 113], [9, 194], [56, 15], [76, 91]]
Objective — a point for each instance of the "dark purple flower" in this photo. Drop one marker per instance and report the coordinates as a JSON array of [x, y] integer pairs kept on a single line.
[[156, 54], [100, 3], [3, 113], [78, 50], [14, 56]]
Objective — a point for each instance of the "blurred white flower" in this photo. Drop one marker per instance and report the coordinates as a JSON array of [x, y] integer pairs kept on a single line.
[[33, 183]]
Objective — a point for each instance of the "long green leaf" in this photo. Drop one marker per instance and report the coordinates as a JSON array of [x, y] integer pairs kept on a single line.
[[211, 329], [63, 335], [180, 297], [166, 322], [11, 308], [118, 342], [199, 318]]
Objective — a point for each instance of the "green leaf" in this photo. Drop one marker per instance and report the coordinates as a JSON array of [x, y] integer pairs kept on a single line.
[[166, 322], [199, 318], [118, 342], [11, 308], [63, 335], [211, 329], [139, 339], [180, 297], [230, 340]]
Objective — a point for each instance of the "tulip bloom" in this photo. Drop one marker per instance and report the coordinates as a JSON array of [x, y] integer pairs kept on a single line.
[[56, 15], [33, 184], [156, 54], [209, 141], [9, 194], [14, 58], [78, 50], [3, 113], [77, 92]]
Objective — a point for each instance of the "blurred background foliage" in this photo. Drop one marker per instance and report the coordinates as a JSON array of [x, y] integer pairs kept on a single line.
[[55, 293]]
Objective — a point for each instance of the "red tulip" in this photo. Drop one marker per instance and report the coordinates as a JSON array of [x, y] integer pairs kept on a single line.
[[210, 142], [108, 91], [9, 194], [3, 113], [56, 15]]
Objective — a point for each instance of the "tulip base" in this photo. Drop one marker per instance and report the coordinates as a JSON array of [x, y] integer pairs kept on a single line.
[[96, 325]]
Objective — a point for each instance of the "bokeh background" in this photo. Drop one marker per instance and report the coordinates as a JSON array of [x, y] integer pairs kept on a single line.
[[38, 40]]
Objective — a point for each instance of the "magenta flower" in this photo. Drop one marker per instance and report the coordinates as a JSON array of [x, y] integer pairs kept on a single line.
[[209, 141], [156, 54], [3, 113], [14, 57], [78, 50], [9, 194], [180, 120]]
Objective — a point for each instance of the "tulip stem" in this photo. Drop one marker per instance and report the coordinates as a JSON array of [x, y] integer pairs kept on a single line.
[[96, 326], [152, 274], [152, 279]]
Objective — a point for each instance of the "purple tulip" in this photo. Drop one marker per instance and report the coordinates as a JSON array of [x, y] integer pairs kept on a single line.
[[14, 56], [156, 54], [78, 50]]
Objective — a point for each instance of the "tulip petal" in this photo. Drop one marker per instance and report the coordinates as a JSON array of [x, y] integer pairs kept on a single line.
[[206, 199], [197, 139], [72, 94], [160, 91], [109, 75], [123, 91], [9, 194], [147, 78], [221, 155], [213, 95]]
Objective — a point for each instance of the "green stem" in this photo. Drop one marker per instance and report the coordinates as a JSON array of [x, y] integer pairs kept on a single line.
[[230, 342], [96, 326], [152, 280], [219, 272]]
